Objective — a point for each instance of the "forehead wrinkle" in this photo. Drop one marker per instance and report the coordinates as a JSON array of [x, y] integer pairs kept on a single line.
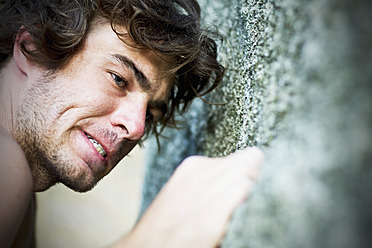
[[138, 74]]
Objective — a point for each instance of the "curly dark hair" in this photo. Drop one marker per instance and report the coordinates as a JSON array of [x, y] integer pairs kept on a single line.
[[170, 28]]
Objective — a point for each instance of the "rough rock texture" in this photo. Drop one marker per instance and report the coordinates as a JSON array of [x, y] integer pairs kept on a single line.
[[298, 85]]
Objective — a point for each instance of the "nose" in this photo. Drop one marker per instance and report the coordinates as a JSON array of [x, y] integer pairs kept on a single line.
[[130, 117]]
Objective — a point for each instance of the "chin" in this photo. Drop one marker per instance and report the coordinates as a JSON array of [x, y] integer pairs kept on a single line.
[[81, 186], [75, 176]]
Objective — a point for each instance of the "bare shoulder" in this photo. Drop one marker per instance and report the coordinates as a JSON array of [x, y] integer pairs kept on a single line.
[[15, 187]]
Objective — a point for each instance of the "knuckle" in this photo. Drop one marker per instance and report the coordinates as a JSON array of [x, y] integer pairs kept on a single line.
[[194, 160], [194, 164]]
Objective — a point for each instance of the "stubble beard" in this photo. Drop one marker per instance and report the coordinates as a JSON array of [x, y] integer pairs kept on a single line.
[[48, 161]]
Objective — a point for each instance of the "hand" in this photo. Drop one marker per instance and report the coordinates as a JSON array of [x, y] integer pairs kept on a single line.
[[195, 205]]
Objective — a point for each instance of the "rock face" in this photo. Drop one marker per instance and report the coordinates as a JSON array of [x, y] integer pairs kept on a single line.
[[299, 86]]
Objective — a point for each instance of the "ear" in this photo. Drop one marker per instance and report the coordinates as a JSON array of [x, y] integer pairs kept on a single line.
[[23, 63]]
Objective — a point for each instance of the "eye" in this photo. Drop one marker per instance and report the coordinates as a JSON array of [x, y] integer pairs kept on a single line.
[[119, 81]]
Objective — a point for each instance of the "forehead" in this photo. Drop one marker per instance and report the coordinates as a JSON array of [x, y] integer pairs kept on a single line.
[[103, 44]]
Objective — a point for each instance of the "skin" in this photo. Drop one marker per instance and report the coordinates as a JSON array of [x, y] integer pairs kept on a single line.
[[107, 90], [15, 192], [203, 193]]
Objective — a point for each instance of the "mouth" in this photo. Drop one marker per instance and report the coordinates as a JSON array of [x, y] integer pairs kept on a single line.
[[97, 145]]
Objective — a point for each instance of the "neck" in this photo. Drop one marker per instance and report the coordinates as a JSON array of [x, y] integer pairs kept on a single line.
[[10, 94], [13, 87]]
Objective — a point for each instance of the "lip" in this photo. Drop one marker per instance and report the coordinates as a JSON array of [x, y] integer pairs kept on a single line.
[[88, 155], [93, 159], [104, 159]]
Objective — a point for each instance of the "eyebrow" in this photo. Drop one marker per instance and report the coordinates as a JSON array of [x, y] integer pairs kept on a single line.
[[138, 74]]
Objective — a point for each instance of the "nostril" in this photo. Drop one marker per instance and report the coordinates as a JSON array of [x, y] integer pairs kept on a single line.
[[122, 127]]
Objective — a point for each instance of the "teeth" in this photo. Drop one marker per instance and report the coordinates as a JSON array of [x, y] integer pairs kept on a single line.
[[97, 145]]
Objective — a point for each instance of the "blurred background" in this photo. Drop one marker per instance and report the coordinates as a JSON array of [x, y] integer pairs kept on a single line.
[[94, 219]]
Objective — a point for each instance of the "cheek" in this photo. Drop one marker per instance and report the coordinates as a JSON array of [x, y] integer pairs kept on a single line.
[[93, 97], [73, 112], [91, 101], [82, 97]]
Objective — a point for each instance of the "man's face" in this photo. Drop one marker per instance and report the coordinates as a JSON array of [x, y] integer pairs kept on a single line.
[[78, 123]]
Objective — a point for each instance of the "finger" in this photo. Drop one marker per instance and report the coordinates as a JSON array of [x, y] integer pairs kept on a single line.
[[230, 199], [250, 154], [248, 160]]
